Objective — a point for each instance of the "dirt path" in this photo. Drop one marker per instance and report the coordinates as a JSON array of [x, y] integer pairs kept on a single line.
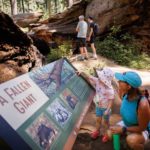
[[84, 141], [101, 61]]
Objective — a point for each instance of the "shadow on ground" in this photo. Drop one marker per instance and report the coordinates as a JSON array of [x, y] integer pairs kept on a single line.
[[84, 142]]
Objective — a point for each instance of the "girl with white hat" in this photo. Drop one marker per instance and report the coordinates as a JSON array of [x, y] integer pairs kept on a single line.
[[103, 99]]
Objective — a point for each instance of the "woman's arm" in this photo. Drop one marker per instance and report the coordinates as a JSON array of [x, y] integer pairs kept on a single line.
[[143, 117]]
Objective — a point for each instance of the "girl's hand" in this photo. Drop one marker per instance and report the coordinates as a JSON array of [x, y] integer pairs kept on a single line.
[[107, 112], [116, 129], [78, 73]]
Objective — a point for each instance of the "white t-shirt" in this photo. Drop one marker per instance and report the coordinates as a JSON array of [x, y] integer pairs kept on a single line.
[[103, 93], [83, 27]]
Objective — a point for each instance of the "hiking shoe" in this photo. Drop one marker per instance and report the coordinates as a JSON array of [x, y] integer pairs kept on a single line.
[[105, 138], [95, 134], [81, 59], [95, 56]]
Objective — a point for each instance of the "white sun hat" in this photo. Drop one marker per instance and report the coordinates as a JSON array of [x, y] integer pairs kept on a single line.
[[105, 75]]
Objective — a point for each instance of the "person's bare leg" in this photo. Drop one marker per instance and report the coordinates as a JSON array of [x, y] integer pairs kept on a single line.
[[135, 141], [106, 126], [94, 50], [98, 123], [85, 52], [82, 52], [96, 133]]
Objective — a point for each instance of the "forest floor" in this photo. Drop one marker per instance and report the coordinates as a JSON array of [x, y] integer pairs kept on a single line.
[[84, 141]]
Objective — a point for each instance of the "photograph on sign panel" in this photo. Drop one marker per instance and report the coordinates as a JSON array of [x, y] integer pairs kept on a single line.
[[69, 98], [59, 112], [52, 76], [43, 132]]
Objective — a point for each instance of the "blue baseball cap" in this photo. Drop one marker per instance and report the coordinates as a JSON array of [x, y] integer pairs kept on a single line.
[[132, 78]]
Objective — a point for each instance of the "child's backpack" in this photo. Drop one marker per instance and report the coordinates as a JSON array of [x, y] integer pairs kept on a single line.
[[96, 29]]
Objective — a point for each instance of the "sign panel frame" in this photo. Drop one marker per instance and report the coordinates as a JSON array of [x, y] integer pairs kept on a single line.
[[46, 107]]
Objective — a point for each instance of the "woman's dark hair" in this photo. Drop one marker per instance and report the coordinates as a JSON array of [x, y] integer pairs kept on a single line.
[[134, 92], [90, 17], [146, 93]]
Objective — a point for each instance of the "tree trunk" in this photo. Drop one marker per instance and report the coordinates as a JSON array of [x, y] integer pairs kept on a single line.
[[49, 7], [2, 5], [13, 4], [28, 6], [23, 10], [56, 6], [70, 3]]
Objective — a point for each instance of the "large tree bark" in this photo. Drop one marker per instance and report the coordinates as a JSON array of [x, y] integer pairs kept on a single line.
[[17, 53]]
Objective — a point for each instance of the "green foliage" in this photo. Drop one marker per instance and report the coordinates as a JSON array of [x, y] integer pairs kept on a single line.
[[121, 49], [64, 50], [46, 6], [45, 16], [141, 61], [91, 70]]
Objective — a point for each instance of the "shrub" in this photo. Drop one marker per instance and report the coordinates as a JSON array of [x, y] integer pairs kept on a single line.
[[64, 50], [123, 49]]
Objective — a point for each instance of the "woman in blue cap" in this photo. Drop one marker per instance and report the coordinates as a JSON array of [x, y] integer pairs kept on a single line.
[[135, 111]]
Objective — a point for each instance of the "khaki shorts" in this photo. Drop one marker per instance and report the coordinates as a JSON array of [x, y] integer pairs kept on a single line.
[[144, 133]]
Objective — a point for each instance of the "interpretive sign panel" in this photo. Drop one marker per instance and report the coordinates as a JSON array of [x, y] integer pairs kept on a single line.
[[43, 109]]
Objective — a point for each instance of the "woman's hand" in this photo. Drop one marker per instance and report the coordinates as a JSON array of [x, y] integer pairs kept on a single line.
[[116, 129]]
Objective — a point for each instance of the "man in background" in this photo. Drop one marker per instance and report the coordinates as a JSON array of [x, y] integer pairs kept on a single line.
[[92, 35], [82, 28]]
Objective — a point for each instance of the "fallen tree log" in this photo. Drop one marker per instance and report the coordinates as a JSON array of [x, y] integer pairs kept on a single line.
[[63, 23], [106, 13], [17, 53], [25, 19]]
